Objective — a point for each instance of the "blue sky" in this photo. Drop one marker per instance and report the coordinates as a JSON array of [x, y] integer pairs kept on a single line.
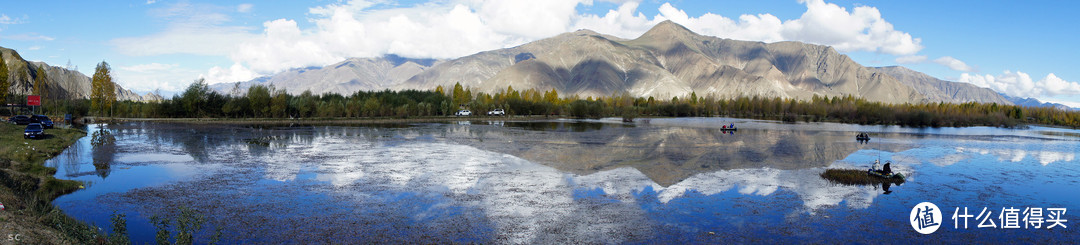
[[1020, 48]]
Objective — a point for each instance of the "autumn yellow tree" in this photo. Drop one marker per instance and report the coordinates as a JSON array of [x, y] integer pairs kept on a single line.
[[4, 83], [40, 81], [102, 89]]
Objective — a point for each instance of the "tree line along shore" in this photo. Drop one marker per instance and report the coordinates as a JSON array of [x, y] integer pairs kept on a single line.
[[267, 102], [198, 100]]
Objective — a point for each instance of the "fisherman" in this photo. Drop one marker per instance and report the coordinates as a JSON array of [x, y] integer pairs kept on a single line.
[[888, 168], [877, 166], [723, 127], [732, 125]]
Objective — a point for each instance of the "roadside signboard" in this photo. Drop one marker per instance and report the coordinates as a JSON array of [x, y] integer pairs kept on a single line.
[[33, 100]]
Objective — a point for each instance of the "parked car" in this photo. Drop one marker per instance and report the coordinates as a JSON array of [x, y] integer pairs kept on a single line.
[[497, 112], [463, 113], [20, 120], [33, 130], [43, 120]]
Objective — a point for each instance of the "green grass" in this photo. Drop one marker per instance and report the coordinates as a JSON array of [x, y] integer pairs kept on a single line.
[[34, 151], [856, 177]]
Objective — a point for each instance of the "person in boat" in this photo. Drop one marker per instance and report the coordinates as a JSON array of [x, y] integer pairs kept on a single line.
[[723, 127], [732, 126], [887, 169], [877, 166]]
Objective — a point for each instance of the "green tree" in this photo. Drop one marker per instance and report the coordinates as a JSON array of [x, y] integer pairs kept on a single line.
[[102, 89], [195, 97], [259, 99], [305, 104]]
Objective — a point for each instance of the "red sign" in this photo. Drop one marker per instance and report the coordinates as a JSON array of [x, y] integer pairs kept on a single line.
[[33, 100]]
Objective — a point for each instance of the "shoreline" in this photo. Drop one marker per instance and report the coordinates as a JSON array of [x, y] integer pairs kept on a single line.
[[429, 119], [27, 188], [326, 120]]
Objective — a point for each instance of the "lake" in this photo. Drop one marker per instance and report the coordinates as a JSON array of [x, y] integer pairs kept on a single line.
[[677, 180]]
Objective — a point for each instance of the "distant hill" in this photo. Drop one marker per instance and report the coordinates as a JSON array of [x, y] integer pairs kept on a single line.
[[937, 90], [668, 60], [1032, 102], [344, 77], [62, 83]]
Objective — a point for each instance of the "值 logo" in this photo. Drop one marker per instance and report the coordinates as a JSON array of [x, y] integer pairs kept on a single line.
[[925, 218]]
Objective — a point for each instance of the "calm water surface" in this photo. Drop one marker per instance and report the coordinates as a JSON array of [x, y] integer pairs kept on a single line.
[[567, 181]]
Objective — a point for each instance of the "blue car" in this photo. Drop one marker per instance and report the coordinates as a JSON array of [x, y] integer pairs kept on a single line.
[[43, 120], [20, 120], [33, 130]]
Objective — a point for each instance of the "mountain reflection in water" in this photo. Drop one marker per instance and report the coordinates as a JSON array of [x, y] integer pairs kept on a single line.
[[533, 182]]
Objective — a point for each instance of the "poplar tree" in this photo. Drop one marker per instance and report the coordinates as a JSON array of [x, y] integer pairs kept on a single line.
[[4, 83], [102, 89], [39, 83]]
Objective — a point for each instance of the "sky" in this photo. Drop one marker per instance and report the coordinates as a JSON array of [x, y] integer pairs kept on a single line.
[[1024, 49]]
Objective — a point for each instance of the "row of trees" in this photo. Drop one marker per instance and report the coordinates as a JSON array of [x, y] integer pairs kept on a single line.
[[260, 101]]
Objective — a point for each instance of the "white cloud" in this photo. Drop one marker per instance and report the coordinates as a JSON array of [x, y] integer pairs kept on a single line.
[[234, 73], [954, 64], [862, 29], [193, 29], [1056, 86], [151, 1], [143, 78], [911, 59], [1021, 85], [244, 7], [35, 47], [455, 28], [6, 20]]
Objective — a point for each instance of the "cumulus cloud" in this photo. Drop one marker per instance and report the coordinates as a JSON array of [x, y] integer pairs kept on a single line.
[[954, 64], [1021, 85], [911, 59], [455, 28], [862, 29]]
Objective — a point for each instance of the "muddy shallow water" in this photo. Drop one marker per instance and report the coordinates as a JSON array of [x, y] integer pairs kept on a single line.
[[568, 181]]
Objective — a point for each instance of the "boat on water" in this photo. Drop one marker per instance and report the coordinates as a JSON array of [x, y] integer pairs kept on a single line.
[[862, 137], [878, 174], [729, 129]]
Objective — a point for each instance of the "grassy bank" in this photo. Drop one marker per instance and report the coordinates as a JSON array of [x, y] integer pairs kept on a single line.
[[27, 188]]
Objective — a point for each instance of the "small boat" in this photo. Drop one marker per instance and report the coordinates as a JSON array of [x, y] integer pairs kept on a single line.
[[862, 138], [729, 129], [871, 172]]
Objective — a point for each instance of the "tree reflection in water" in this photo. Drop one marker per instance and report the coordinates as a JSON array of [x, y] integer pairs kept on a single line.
[[104, 152]]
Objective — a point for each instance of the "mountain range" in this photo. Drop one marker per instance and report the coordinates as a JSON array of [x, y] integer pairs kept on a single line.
[[62, 83], [668, 60]]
